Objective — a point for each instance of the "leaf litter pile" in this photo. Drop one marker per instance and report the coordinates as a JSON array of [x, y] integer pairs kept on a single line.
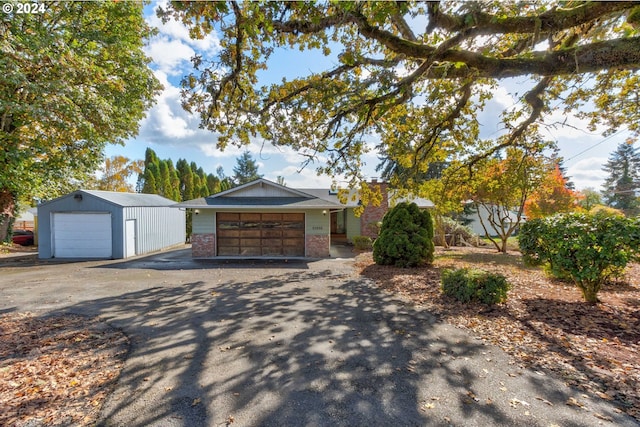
[[544, 324], [56, 370]]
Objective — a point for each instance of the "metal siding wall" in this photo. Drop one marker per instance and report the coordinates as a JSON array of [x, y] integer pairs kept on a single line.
[[156, 227], [117, 233], [70, 205]]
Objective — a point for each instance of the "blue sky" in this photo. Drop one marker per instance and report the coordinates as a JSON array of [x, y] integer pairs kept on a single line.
[[173, 133]]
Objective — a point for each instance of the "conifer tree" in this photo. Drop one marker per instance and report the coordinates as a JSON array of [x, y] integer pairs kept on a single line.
[[186, 180], [246, 169], [623, 181]]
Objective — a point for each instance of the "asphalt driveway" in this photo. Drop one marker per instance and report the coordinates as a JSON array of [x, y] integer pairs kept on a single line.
[[289, 344]]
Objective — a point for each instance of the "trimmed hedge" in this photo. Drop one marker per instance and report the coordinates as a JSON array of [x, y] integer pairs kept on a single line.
[[468, 285]]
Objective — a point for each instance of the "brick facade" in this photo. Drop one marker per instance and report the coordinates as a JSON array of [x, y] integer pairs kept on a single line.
[[373, 214], [203, 245], [317, 246]]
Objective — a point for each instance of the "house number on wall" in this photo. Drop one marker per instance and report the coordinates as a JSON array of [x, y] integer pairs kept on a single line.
[[317, 228]]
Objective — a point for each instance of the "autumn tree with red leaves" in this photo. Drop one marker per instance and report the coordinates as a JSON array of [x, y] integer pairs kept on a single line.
[[552, 196]]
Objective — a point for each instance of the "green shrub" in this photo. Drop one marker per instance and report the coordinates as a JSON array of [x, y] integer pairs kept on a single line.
[[362, 243], [588, 249], [468, 285], [405, 238]]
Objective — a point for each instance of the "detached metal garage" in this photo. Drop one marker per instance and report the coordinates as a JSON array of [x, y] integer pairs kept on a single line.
[[105, 224]]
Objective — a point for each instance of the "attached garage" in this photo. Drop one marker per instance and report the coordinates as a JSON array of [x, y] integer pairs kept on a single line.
[[260, 234], [104, 224], [261, 219]]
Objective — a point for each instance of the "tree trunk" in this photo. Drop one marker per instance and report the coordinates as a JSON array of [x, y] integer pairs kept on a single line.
[[590, 292], [503, 247], [7, 214]]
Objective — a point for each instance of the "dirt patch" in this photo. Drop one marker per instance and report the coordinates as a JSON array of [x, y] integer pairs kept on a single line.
[[11, 249], [544, 324], [56, 370]]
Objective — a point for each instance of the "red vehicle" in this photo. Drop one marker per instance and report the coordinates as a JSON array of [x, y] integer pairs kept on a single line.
[[23, 237]]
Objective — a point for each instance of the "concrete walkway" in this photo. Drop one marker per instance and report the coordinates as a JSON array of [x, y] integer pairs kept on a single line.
[[289, 344]]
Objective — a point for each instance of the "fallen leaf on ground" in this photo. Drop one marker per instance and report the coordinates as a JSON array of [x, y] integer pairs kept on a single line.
[[595, 348]]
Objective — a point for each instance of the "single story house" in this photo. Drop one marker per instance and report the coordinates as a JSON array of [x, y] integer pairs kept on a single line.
[[106, 224], [265, 219]]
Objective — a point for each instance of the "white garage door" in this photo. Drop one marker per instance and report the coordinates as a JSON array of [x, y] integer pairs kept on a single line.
[[82, 235]]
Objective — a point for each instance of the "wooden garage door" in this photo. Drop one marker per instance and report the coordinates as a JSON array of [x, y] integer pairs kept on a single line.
[[260, 234]]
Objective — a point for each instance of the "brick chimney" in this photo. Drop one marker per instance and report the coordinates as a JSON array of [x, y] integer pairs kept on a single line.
[[373, 214]]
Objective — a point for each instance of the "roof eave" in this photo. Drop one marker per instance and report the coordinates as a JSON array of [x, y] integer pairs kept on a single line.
[[255, 207]]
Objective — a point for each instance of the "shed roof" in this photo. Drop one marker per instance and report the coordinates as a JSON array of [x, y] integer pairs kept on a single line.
[[121, 199]]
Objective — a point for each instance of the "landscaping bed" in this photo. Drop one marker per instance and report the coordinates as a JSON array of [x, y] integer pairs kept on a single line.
[[544, 324]]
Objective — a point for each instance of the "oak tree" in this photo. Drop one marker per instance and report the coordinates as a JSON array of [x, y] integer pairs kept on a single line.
[[73, 78], [412, 75]]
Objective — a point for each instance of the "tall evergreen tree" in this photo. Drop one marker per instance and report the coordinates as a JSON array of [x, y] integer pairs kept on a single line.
[[213, 183], [164, 185], [152, 184], [246, 169], [148, 179], [149, 182], [186, 180], [623, 181], [204, 187], [225, 181], [174, 191]]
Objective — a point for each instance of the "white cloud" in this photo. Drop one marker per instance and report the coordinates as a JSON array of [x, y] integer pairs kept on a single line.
[[503, 97], [167, 121], [560, 125], [176, 30], [588, 173], [169, 55], [260, 149], [172, 48], [296, 178]]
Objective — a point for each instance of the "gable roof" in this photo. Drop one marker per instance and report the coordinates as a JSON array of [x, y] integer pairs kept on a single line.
[[121, 199], [265, 194], [259, 187], [261, 194]]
